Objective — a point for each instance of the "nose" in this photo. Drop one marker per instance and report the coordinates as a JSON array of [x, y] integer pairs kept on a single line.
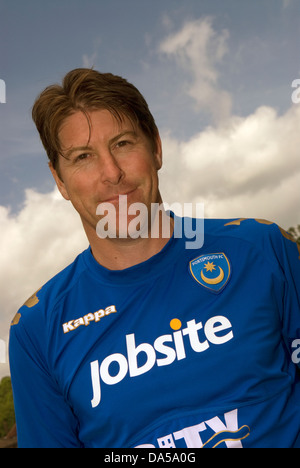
[[110, 169]]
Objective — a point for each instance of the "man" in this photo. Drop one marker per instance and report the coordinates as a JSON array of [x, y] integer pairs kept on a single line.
[[142, 342]]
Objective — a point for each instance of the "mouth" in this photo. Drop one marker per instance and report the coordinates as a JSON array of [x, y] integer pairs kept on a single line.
[[115, 198]]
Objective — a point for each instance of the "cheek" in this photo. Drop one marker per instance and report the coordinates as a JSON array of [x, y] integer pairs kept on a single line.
[[141, 167], [80, 187]]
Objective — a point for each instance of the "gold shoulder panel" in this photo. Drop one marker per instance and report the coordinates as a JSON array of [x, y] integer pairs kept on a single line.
[[16, 319], [237, 222], [33, 300]]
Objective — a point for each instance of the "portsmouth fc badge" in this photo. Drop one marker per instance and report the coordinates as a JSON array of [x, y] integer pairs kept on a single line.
[[211, 271]]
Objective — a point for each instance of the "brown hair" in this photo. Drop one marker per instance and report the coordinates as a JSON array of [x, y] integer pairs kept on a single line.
[[86, 89]]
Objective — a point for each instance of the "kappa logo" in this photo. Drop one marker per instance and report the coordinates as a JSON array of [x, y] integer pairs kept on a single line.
[[86, 319], [212, 271]]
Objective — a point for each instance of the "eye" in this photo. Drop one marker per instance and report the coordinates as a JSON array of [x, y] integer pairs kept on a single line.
[[122, 143], [82, 157]]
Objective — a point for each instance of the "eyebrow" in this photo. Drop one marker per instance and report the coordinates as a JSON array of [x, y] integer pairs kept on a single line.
[[111, 141], [77, 148]]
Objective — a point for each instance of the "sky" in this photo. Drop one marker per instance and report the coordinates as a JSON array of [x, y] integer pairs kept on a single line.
[[217, 75]]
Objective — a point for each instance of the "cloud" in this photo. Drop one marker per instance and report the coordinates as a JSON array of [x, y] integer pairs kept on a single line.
[[241, 166], [90, 60], [287, 3], [249, 167], [198, 49], [35, 244]]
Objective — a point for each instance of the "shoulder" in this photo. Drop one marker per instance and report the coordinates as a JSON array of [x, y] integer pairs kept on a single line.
[[39, 306], [265, 231], [253, 230], [272, 240]]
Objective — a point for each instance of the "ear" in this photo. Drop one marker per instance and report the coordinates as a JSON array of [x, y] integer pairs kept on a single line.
[[59, 182], [158, 152]]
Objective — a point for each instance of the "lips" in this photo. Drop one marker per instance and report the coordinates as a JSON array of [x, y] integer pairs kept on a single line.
[[115, 198]]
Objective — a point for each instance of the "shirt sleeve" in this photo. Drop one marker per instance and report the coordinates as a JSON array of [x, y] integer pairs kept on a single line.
[[44, 419], [288, 254]]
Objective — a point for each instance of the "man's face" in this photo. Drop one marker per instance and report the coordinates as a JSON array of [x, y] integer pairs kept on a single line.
[[106, 161]]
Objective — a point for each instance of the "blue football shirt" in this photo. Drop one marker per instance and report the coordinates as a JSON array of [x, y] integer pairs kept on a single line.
[[192, 348]]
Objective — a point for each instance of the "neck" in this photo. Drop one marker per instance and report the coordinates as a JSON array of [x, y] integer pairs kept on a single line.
[[118, 254]]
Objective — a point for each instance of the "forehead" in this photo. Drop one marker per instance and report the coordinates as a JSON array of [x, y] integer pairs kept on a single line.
[[82, 127]]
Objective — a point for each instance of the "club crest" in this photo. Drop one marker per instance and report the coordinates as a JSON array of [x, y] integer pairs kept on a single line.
[[212, 271]]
